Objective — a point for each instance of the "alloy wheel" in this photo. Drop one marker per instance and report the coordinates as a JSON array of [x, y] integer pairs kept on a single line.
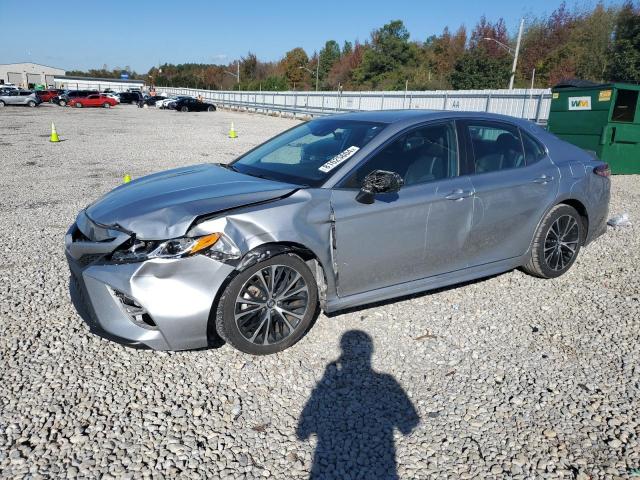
[[271, 304], [561, 243]]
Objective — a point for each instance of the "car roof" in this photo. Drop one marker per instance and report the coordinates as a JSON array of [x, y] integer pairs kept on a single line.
[[421, 115]]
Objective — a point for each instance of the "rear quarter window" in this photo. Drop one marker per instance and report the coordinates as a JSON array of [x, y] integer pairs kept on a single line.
[[533, 149]]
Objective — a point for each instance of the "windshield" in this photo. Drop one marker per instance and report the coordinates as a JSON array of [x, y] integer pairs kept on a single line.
[[308, 154]]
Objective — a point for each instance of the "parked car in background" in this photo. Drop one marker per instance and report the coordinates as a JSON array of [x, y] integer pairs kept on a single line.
[[335, 213], [193, 105], [19, 97], [64, 98], [95, 100], [48, 95], [130, 97], [151, 100], [112, 95], [165, 103]]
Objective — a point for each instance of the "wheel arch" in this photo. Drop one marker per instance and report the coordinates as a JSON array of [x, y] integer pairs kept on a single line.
[[572, 202], [582, 211], [259, 254]]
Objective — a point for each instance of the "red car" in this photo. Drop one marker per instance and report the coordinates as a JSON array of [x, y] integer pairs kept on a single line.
[[96, 100], [47, 95]]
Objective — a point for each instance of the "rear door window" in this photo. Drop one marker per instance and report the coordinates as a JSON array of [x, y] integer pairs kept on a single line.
[[625, 107], [496, 146]]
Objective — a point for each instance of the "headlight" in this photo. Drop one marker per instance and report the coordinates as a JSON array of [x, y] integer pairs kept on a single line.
[[215, 245]]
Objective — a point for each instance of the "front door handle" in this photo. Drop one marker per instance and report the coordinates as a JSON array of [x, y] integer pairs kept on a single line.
[[459, 194], [543, 179]]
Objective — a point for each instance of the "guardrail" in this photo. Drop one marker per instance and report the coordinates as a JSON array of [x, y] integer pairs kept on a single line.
[[532, 104]]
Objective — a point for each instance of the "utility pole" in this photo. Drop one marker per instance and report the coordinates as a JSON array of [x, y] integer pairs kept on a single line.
[[311, 72], [515, 55], [236, 75]]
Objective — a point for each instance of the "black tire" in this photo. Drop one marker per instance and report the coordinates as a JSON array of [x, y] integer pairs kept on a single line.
[[227, 326], [106, 105], [211, 108], [31, 103], [553, 254], [184, 109], [62, 103], [2, 104]]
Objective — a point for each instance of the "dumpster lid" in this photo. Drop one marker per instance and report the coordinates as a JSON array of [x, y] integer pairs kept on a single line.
[[577, 83]]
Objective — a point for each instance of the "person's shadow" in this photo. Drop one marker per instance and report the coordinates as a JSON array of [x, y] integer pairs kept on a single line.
[[353, 411]]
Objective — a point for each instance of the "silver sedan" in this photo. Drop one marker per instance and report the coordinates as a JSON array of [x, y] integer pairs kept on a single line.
[[337, 212]]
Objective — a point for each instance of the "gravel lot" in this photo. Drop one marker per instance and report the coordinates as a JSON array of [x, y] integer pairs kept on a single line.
[[510, 376]]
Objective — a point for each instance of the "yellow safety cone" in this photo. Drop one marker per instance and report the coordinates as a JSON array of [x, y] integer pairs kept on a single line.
[[232, 132], [54, 135], [127, 178]]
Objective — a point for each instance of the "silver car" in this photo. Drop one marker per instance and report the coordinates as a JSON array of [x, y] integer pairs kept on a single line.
[[337, 212], [19, 97]]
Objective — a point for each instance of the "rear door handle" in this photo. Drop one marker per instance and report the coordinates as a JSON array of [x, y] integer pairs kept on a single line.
[[459, 194], [543, 179]]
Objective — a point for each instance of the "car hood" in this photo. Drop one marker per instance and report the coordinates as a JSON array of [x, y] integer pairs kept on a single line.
[[164, 205]]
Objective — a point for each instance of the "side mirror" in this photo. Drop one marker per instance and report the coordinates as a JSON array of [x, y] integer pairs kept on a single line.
[[378, 181]]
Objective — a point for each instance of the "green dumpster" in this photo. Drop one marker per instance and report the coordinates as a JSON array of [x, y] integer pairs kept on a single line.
[[604, 118]]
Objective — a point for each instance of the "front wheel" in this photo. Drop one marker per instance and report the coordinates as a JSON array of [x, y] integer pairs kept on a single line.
[[184, 109], [31, 103], [556, 243], [268, 307], [106, 105], [78, 105], [2, 104], [211, 109], [62, 103]]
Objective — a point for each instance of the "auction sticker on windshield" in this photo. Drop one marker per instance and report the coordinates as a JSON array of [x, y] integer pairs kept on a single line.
[[338, 159]]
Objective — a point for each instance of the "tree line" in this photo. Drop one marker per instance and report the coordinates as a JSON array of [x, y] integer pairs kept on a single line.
[[601, 43]]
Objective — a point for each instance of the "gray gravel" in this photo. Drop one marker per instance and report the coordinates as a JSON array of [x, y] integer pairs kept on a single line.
[[510, 376]]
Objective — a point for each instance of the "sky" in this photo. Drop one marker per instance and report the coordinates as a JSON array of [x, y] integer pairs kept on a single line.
[[141, 34]]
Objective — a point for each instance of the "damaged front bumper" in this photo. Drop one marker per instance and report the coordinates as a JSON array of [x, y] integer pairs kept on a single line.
[[163, 304]]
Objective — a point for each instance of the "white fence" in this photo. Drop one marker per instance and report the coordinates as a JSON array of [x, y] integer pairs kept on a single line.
[[532, 104]]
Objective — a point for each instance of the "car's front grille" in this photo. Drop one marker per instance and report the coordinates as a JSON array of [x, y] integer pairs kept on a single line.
[[87, 260]]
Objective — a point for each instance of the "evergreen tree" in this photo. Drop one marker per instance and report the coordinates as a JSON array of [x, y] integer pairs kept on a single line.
[[625, 51]]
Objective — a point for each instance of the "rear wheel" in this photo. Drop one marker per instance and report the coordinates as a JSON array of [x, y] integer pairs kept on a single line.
[[184, 109], [106, 105], [2, 104], [268, 307], [556, 243], [78, 105], [62, 103]]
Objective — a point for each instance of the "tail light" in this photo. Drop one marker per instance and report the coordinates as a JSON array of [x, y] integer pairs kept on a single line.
[[603, 170]]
